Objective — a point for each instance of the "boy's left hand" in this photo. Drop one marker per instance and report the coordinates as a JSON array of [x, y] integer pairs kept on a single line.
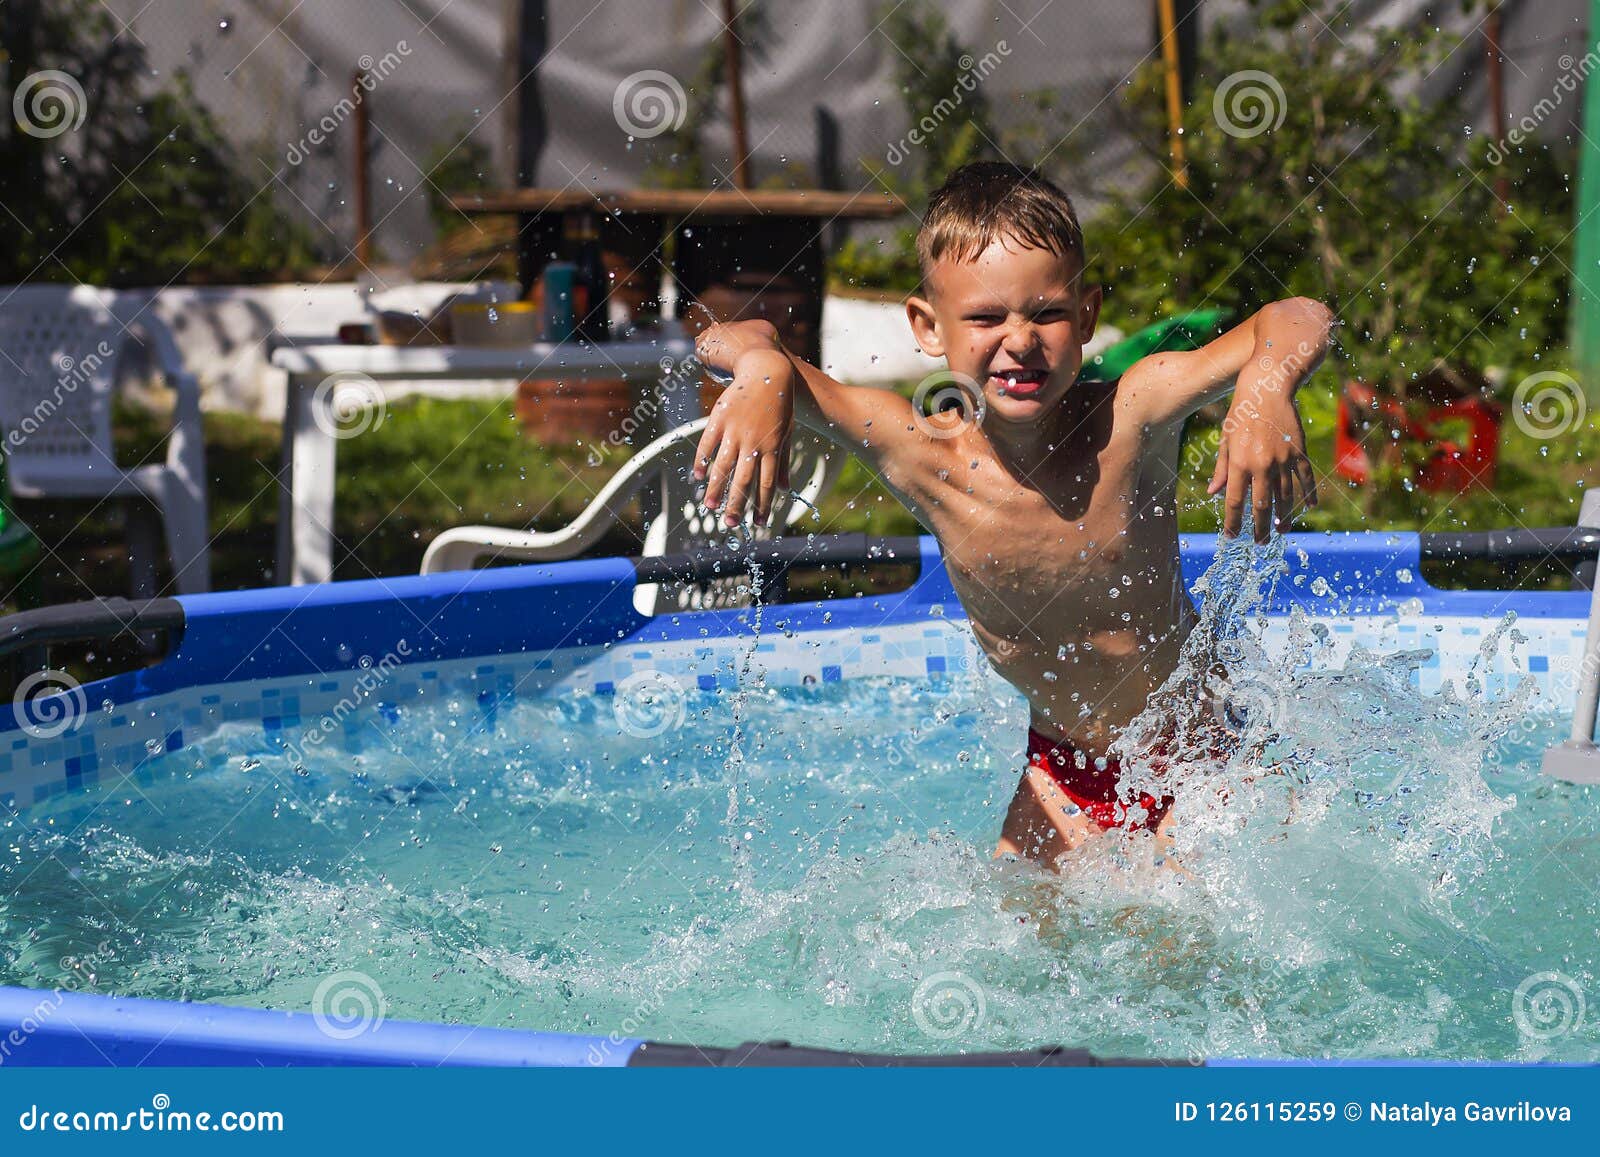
[[1263, 450]]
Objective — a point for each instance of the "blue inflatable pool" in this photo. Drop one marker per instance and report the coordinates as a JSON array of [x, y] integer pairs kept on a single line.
[[303, 668]]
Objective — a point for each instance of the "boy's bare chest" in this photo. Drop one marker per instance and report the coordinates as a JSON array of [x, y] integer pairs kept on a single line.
[[1082, 549]]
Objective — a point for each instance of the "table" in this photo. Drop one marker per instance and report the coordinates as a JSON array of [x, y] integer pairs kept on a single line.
[[316, 419]]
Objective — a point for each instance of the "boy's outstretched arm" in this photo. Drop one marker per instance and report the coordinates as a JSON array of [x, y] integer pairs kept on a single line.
[[1263, 361], [743, 455]]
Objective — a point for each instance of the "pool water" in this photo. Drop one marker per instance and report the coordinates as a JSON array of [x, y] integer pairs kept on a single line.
[[1374, 872]]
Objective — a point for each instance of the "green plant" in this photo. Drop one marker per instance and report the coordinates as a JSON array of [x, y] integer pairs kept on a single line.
[[460, 163], [678, 158], [146, 189], [928, 69], [1311, 172]]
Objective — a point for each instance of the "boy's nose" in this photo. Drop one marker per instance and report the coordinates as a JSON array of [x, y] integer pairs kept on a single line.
[[1021, 341]]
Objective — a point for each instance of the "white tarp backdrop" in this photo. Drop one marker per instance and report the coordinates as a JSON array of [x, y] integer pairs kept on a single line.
[[275, 71], [272, 70]]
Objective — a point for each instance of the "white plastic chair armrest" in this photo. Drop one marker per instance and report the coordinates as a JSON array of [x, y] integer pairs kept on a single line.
[[461, 547]]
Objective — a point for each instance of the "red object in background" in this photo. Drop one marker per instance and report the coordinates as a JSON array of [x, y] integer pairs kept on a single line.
[[1451, 468]]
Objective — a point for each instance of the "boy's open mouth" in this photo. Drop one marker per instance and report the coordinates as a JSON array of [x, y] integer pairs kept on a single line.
[[1019, 383]]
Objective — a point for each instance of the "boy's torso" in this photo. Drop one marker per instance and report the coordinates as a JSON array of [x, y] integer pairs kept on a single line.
[[1068, 574]]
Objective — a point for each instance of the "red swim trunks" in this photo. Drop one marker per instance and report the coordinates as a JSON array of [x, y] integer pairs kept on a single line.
[[1092, 789]]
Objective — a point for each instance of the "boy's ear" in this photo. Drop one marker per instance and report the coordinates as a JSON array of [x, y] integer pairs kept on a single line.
[[1090, 298], [924, 326]]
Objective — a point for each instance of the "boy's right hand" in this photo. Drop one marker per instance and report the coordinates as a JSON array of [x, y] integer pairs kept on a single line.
[[743, 455]]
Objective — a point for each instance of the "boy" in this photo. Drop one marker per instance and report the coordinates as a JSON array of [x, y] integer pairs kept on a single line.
[[1053, 500]]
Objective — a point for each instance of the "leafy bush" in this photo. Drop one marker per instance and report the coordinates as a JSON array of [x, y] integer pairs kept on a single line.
[[147, 190], [1361, 196], [927, 71]]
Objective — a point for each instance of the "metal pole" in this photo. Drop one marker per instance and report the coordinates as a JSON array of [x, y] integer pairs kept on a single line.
[[363, 196], [1494, 65], [1584, 320], [1169, 57]]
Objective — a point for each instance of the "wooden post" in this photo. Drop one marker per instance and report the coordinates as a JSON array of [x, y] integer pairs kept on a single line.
[[1169, 57], [363, 193], [1495, 68], [732, 49], [527, 37]]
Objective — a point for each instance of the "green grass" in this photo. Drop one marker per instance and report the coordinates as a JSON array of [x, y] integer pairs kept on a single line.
[[432, 464]]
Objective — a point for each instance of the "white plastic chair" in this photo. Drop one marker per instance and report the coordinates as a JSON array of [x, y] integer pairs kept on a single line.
[[679, 526], [60, 348]]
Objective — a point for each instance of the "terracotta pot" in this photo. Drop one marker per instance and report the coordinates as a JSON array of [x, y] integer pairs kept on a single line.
[[751, 295], [568, 410]]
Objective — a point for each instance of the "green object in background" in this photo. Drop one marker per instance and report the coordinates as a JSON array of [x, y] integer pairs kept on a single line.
[[1584, 320], [19, 551], [1186, 331]]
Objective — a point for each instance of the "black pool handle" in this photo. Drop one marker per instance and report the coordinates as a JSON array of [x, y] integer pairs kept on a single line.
[[82, 622], [1566, 543], [778, 554], [779, 1053]]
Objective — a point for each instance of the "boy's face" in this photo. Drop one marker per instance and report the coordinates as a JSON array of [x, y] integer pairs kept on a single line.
[[1014, 321]]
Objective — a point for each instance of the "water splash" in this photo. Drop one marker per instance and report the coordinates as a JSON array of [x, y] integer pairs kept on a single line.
[[1295, 774], [734, 763]]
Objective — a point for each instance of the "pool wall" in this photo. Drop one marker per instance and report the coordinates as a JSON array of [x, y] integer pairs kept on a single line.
[[299, 660]]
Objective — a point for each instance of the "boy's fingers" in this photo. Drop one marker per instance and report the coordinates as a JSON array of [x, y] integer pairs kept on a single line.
[[739, 493], [1308, 481], [1285, 513], [1219, 476], [765, 489], [717, 478], [706, 449], [1233, 505], [1261, 489], [1297, 481]]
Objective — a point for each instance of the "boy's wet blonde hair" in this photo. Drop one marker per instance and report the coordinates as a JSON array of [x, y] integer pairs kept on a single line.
[[980, 202]]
